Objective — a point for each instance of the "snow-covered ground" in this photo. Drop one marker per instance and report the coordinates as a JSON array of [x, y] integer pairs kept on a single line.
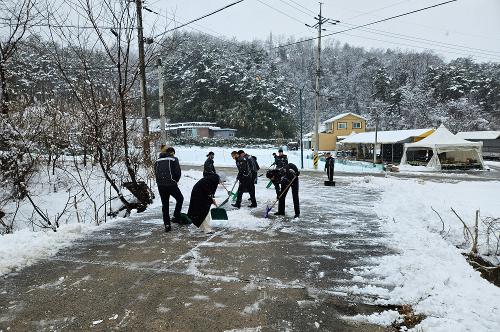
[[429, 271]]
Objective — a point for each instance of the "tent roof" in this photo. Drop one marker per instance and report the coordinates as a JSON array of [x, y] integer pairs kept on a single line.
[[487, 134], [385, 137], [340, 116], [442, 137]]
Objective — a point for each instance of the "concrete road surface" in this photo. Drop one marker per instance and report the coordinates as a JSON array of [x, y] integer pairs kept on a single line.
[[287, 276]]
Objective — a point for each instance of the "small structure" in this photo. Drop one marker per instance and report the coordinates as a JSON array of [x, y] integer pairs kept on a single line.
[[443, 151], [490, 139], [194, 129], [339, 127], [389, 143]]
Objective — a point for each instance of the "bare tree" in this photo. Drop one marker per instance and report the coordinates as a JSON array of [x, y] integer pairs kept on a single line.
[[105, 50], [15, 18]]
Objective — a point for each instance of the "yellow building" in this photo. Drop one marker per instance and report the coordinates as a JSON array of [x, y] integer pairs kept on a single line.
[[338, 128]]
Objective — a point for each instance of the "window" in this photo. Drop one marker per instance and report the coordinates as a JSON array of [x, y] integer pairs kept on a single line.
[[356, 125], [342, 125]]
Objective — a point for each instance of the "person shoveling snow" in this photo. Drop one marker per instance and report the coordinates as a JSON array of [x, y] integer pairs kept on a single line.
[[202, 197]]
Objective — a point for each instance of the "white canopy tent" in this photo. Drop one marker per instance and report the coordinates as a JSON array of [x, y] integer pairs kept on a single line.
[[448, 151]]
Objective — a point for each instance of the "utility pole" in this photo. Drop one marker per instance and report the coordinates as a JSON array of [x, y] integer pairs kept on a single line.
[[142, 78], [376, 137], [161, 103], [301, 135], [320, 21]]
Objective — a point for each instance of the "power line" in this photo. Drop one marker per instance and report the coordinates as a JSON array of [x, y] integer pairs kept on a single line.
[[423, 47], [60, 26], [428, 41], [199, 18], [282, 12], [365, 25], [296, 8], [298, 4], [378, 9], [405, 37]]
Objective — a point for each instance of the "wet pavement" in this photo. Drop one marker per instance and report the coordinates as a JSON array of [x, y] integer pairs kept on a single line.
[[288, 276]]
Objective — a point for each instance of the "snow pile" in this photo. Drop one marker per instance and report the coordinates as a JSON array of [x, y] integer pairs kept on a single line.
[[25, 247], [429, 271]]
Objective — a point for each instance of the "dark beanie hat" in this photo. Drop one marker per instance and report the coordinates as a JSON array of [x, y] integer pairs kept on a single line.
[[210, 153], [280, 150], [241, 151]]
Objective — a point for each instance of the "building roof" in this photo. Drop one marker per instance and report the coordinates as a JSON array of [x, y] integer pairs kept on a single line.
[[442, 137], [340, 116], [154, 126], [386, 137], [222, 129], [479, 135]]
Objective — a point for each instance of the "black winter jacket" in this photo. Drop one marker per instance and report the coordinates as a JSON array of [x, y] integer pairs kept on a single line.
[[281, 161], [244, 170], [202, 197], [167, 170], [208, 167], [329, 162]]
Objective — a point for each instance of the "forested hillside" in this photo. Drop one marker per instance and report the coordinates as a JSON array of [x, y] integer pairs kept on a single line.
[[254, 87]]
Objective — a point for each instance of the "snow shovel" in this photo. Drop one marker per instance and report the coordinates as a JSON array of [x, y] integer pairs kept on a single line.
[[229, 194], [269, 208], [218, 213]]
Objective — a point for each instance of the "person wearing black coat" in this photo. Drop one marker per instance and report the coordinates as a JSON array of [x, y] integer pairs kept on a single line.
[[202, 197], [288, 177], [245, 177], [281, 160], [329, 166], [208, 167], [168, 174]]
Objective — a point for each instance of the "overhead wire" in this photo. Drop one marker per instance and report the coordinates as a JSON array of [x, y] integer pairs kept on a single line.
[[200, 18], [427, 41], [282, 12], [378, 9]]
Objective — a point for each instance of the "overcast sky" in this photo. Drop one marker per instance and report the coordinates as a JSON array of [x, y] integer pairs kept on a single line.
[[457, 29]]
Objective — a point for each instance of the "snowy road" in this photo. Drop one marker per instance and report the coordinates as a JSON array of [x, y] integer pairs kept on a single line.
[[285, 275]]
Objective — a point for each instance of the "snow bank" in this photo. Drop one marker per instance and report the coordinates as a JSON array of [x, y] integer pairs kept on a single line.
[[429, 272], [25, 247]]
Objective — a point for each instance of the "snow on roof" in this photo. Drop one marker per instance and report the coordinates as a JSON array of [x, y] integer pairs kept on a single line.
[[340, 116], [222, 129], [443, 137], [479, 135], [385, 137]]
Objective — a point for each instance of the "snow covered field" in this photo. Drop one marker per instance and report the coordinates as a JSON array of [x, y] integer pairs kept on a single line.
[[428, 271], [195, 155]]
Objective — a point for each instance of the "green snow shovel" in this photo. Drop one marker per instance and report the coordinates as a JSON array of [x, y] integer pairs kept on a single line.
[[229, 194], [218, 213]]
